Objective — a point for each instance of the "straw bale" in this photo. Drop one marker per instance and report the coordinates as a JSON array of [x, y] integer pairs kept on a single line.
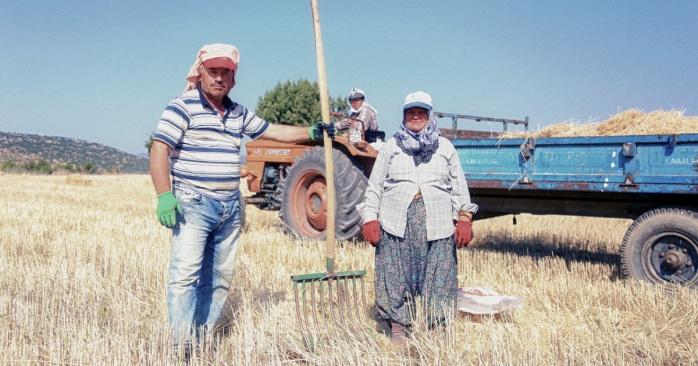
[[78, 180], [629, 122]]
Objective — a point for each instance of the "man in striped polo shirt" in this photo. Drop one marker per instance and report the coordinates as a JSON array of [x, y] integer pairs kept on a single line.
[[195, 168]]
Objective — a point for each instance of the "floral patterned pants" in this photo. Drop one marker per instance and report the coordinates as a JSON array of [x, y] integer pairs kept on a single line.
[[411, 267]]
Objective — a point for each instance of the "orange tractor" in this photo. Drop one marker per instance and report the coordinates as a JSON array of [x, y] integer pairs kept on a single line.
[[290, 178]]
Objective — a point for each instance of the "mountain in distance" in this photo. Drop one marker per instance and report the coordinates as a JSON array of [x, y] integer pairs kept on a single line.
[[23, 150]]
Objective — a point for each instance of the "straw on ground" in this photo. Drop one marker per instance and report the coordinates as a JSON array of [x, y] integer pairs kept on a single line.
[[83, 282]]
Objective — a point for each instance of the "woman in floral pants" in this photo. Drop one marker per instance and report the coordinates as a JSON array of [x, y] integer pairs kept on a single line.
[[416, 212]]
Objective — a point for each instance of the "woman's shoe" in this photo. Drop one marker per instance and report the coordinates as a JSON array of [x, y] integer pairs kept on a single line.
[[397, 333]]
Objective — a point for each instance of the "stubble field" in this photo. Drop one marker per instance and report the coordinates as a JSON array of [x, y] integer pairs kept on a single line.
[[82, 281]]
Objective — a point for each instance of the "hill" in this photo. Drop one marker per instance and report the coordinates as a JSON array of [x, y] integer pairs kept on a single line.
[[47, 154]]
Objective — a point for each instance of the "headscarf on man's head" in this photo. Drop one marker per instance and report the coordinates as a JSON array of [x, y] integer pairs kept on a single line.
[[423, 144], [356, 93], [217, 55]]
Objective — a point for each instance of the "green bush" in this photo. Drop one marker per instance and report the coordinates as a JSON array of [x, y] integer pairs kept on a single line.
[[40, 166], [8, 165]]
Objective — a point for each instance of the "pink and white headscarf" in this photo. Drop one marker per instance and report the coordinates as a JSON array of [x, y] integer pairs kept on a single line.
[[208, 52]]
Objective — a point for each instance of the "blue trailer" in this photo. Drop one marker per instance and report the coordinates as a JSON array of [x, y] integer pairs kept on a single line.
[[650, 179]]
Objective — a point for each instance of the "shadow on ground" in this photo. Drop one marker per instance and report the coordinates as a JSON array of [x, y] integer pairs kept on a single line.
[[236, 302], [570, 250]]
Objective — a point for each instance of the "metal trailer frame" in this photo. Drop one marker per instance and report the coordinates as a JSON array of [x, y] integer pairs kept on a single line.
[[607, 176]]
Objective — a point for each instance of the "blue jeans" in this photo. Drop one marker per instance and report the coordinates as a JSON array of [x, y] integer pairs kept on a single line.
[[204, 245]]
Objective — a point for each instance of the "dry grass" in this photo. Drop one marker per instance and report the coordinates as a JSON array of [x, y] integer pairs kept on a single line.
[[628, 122], [82, 279]]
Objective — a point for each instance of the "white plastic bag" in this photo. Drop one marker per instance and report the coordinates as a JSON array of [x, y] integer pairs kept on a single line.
[[378, 144], [485, 301]]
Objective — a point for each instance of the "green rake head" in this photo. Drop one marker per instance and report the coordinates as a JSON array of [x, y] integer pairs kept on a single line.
[[327, 276], [324, 300]]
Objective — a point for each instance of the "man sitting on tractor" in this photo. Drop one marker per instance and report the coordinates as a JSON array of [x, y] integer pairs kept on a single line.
[[360, 118]]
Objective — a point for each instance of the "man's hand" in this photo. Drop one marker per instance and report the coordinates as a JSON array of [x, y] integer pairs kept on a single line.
[[315, 131], [166, 210], [372, 232], [464, 233]]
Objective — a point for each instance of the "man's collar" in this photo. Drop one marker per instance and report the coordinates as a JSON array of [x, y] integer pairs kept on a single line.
[[227, 102]]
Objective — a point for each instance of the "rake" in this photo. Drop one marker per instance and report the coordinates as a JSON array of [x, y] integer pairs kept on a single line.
[[332, 295]]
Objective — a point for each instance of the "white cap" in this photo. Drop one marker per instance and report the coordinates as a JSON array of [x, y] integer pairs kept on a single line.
[[356, 93], [417, 99]]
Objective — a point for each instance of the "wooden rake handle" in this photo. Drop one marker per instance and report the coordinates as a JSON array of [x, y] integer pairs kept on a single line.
[[327, 142]]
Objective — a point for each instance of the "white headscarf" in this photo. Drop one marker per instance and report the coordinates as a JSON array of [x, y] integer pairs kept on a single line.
[[207, 52], [355, 93]]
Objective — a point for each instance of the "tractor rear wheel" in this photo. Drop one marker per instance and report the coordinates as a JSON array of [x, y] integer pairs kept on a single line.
[[662, 246], [304, 203]]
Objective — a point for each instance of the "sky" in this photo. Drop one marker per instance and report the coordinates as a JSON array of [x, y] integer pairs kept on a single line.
[[103, 71]]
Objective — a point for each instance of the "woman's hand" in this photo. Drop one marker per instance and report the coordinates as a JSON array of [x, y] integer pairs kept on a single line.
[[464, 233], [372, 232]]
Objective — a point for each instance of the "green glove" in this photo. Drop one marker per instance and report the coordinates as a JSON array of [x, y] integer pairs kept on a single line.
[[315, 130], [166, 211]]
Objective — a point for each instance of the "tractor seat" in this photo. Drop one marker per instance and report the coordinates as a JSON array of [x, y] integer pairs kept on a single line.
[[373, 136]]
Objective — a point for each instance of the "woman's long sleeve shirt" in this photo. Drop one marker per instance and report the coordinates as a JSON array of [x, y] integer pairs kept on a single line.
[[395, 180]]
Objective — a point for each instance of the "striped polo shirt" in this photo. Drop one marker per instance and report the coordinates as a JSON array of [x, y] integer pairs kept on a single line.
[[205, 155]]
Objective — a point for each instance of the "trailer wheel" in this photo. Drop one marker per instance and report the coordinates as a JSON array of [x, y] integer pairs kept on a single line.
[[662, 246], [304, 204]]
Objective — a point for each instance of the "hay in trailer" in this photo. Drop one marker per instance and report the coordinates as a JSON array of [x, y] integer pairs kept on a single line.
[[628, 122]]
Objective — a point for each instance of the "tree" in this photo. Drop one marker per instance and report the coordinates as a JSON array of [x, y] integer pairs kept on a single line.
[[294, 102], [89, 168], [39, 166], [8, 165], [148, 144]]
